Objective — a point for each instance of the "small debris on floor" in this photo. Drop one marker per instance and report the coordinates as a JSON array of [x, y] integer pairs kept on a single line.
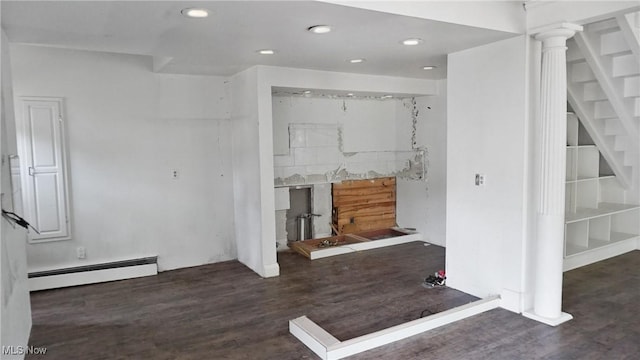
[[327, 243], [438, 279]]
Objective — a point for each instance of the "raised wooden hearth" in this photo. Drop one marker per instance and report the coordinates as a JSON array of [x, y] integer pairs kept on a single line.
[[348, 243]]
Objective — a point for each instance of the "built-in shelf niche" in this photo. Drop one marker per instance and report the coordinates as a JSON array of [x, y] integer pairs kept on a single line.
[[596, 213]]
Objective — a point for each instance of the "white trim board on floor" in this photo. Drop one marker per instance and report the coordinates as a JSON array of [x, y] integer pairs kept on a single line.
[[327, 347], [367, 245]]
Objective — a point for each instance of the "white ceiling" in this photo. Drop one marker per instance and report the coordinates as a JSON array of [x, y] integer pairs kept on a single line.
[[226, 42]]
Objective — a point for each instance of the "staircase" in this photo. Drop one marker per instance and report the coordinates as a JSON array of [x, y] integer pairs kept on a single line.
[[603, 70], [603, 155]]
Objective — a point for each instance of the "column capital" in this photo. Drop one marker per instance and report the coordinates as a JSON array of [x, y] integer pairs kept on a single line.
[[559, 30]]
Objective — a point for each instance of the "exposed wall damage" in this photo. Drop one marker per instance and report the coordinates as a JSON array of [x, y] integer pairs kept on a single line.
[[412, 105], [316, 152], [408, 165], [319, 140]]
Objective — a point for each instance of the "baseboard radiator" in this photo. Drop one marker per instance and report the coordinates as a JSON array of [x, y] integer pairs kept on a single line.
[[91, 274]]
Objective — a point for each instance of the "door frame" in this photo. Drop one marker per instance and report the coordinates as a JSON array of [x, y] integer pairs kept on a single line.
[[21, 128]]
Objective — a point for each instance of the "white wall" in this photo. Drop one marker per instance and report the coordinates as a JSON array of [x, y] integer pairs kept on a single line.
[[15, 313], [354, 115], [543, 13], [253, 250], [127, 128], [486, 134], [271, 76], [497, 15], [422, 204]]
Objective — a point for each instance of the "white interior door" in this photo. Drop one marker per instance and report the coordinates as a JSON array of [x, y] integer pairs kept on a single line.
[[41, 140]]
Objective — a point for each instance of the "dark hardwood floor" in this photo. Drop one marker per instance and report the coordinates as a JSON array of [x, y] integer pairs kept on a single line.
[[225, 311]]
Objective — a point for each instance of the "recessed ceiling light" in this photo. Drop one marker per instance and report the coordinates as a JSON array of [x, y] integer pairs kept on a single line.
[[356, 61], [266, 52], [195, 13], [319, 29], [387, 97], [306, 92], [350, 94], [428, 67], [412, 42]]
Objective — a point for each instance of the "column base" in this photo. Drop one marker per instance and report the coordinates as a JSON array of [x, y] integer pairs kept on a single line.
[[564, 317]]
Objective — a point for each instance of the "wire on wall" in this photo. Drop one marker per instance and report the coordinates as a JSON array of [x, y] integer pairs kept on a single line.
[[15, 219]]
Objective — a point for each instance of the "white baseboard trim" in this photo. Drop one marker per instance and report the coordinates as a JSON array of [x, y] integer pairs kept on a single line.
[[313, 336], [367, 245], [329, 348], [601, 253], [91, 277], [511, 300], [271, 270], [564, 317]]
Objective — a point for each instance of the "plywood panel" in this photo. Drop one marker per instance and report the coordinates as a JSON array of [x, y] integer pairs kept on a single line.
[[364, 204]]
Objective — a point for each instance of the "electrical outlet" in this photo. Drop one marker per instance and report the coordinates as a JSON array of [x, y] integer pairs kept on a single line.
[[81, 252], [175, 174], [480, 179]]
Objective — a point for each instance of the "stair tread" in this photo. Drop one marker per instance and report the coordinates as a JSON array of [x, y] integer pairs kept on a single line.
[[618, 53], [582, 179], [591, 99], [574, 61]]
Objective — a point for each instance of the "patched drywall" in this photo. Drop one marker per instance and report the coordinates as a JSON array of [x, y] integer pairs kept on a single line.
[[329, 139], [321, 205]]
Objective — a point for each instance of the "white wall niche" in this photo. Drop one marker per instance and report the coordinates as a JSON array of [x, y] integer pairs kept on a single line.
[[625, 224], [599, 231], [577, 237]]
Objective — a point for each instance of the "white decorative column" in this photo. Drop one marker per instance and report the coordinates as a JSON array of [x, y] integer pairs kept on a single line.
[[549, 245]]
